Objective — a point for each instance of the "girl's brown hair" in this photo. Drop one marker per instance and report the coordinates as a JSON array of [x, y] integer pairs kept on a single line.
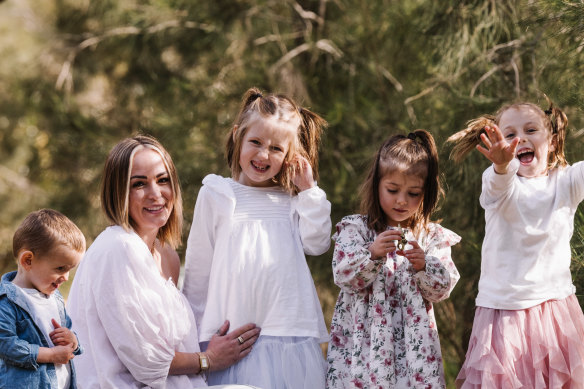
[[115, 187], [415, 154], [256, 106], [554, 120]]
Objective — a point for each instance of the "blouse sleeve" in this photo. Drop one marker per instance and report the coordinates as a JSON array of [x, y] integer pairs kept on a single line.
[[353, 268], [142, 315], [215, 197], [314, 220], [496, 187], [441, 275]]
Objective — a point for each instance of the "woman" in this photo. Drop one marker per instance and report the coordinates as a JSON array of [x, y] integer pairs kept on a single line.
[[137, 328]]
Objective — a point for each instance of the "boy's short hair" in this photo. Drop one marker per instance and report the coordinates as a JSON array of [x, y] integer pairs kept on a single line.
[[43, 230]]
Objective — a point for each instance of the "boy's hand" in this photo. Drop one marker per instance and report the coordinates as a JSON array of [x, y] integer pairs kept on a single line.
[[63, 336], [62, 354], [496, 149]]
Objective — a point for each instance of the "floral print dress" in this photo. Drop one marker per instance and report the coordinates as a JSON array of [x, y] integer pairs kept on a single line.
[[383, 330]]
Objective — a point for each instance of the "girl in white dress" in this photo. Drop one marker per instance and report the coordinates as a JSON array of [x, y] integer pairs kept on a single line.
[[245, 258], [383, 331]]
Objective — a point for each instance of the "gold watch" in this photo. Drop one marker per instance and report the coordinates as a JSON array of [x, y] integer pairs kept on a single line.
[[203, 362]]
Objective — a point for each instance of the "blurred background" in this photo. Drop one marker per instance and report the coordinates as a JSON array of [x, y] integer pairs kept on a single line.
[[77, 76]]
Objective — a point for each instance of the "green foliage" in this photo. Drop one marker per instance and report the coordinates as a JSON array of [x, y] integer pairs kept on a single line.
[[78, 76]]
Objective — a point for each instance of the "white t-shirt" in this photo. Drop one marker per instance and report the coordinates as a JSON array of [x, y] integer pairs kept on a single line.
[[245, 258], [45, 308], [128, 318], [529, 223]]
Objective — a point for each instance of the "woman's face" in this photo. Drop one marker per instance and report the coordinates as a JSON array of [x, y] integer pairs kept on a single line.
[[151, 197]]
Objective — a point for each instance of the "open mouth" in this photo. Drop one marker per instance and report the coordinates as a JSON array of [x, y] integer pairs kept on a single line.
[[525, 156], [261, 168]]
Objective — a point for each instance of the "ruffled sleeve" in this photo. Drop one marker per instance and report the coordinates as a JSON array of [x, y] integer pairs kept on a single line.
[[441, 275], [136, 307], [353, 268], [215, 201], [314, 220]]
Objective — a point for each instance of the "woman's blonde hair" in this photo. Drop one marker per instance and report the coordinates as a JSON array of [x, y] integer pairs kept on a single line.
[[554, 120], [415, 154], [115, 187], [308, 126]]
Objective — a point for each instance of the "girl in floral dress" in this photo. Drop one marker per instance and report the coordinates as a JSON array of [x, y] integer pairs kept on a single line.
[[383, 331]]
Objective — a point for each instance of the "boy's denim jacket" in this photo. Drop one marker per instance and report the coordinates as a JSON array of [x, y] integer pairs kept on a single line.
[[20, 339]]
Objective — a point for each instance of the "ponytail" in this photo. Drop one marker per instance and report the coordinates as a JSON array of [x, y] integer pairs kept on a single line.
[[309, 135], [559, 124], [466, 140]]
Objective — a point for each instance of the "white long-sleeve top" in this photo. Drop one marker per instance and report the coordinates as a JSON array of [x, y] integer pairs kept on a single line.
[[529, 223], [128, 318], [245, 258]]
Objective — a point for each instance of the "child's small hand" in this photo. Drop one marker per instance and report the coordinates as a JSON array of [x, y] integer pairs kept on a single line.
[[62, 354], [301, 173], [497, 149], [384, 243], [415, 255], [62, 336]]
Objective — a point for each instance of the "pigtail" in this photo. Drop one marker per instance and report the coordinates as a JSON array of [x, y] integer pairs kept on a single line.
[[309, 135], [467, 139], [559, 124], [432, 188]]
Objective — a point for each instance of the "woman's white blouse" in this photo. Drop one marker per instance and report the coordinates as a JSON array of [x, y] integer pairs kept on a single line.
[[245, 258], [128, 318]]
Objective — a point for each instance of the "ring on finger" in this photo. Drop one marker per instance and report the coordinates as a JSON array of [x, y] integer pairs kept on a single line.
[[240, 340]]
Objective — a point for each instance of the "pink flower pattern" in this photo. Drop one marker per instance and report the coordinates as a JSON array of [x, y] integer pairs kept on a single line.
[[383, 331]]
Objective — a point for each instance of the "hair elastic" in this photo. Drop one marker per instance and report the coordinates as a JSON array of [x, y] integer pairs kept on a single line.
[[548, 111], [412, 135]]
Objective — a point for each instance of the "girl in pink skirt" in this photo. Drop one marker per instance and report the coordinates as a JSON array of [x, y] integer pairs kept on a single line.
[[528, 326]]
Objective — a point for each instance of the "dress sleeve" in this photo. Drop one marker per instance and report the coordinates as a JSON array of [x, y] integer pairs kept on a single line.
[[314, 220], [441, 275], [353, 268], [13, 350], [142, 315], [215, 196]]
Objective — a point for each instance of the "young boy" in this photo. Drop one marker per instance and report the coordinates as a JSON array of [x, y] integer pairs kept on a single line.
[[36, 343]]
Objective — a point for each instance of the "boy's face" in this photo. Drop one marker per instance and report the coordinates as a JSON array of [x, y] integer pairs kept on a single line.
[[47, 272]]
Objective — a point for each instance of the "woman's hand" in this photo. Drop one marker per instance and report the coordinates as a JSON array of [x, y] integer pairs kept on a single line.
[[496, 149], [225, 349], [415, 255], [301, 173], [384, 243]]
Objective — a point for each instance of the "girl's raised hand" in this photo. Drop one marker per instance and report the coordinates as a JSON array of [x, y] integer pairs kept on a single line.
[[497, 149], [384, 243], [415, 255], [301, 173]]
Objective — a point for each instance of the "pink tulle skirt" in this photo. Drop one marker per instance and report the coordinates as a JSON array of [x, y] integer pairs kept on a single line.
[[538, 347]]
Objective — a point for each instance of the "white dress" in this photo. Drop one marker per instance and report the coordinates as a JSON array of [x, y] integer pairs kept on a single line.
[[128, 318], [245, 262]]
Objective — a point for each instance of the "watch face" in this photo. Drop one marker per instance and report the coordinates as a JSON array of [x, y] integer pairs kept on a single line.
[[203, 362]]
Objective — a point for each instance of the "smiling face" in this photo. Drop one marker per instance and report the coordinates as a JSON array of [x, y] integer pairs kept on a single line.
[[263, 150], [400, 196], [151, 197], [536, 141], [46, 272]]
